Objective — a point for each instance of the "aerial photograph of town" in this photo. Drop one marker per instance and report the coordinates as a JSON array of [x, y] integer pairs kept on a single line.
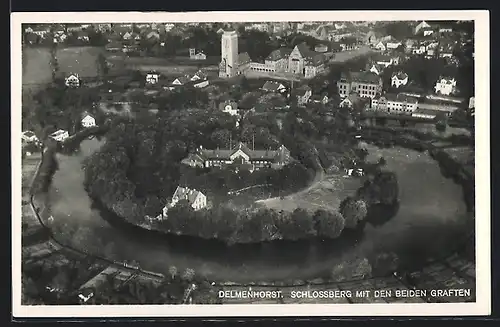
[[248, 162]]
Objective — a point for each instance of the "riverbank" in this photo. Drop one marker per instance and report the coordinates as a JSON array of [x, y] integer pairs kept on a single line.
[[444, 161], [460, 172], [256, 278]]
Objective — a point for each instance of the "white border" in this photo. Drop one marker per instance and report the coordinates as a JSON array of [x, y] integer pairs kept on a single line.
[[483, 278]]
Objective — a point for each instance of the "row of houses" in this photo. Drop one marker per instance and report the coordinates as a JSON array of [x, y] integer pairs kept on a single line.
[[87, 121], [197, 80]]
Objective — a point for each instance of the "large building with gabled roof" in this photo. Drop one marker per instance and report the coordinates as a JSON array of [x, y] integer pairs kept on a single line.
[[239, 157], [301, 61]]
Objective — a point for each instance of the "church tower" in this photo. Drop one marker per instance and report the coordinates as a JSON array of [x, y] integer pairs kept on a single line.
[[229, 55]]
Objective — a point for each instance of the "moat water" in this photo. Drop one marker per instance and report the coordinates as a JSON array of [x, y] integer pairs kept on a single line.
[[430, 221]]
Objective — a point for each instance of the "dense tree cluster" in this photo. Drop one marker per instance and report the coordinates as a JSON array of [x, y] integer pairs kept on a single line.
[[251, 225], [138, 169], [422, 72], [61, 107], [380, 188]]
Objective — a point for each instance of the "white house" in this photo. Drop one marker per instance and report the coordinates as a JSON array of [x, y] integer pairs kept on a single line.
[[195, 198], [351, 100], [152, 78], [421, 26], [183, 80], [376, 69], [88, 121], [428, 32], [398, 79], [196, 55], [472, 101], [199, 80], [445, 86], [229, 107], [273, 86], [29, 136], [60, 135], [380, 46], [425, 113], [393, 45], [419, 50], [72, 80], [201, 84], [384, 61]]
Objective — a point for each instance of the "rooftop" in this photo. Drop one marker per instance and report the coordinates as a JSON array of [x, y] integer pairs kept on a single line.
[[364, 77], [400, 97]]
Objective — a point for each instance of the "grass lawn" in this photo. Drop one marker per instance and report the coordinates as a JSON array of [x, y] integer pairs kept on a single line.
[[326, 192], [36, 66], [79, 60]]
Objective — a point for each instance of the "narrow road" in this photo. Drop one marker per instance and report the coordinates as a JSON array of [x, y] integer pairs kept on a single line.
[[318, 178]]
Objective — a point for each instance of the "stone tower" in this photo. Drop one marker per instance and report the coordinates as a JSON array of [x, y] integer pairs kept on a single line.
[[229, 55]]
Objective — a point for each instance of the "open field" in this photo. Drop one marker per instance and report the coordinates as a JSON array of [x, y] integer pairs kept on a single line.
[[79, 60], [326, 192], [165, 66], [344, 56], [36, 67]]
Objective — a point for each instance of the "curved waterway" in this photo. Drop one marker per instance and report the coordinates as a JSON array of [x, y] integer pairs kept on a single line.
[[431, 219]]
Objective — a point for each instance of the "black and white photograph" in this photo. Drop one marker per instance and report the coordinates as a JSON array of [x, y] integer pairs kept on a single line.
[[250, 163]]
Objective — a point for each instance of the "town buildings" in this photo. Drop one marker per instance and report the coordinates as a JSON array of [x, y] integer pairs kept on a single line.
[[278, 60], [273, 86], [60, 135], [351, 101], [445, 86], [300, 61], [229, 107], [72, 80], [376, 69], [88, 121], [395, 104], [303, 94], [239, 157], [425, 113], [399, 79], [29, 136], [152, 78], [366, 84], [196, 199], [196, 55]]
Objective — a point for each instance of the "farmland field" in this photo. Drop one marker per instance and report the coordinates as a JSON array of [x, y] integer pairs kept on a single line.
[[36, 66], [79, 60]]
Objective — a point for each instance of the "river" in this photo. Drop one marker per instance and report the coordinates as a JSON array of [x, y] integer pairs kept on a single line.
[[430, 221]]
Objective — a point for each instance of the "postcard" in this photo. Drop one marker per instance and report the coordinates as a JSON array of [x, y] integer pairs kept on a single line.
[[217, 164]]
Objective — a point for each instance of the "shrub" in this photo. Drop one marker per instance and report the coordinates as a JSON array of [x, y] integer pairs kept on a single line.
[[328, 224], [188, 274], [353, 211]]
